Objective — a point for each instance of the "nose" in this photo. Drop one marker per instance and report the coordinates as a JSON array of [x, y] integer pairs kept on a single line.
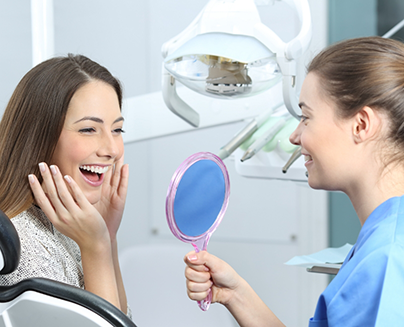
[[294, 138], [109, 146]]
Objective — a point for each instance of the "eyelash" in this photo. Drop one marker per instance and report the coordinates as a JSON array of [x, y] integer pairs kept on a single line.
[[90, 130], [87, 130], [303, 118]]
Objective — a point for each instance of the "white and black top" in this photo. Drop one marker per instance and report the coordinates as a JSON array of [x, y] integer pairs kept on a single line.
[[45, 252]]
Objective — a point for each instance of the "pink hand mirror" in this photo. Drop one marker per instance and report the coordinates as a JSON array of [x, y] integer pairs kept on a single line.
[[197, 199]]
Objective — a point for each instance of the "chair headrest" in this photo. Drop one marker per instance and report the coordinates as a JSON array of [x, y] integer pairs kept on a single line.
[[9, 245]]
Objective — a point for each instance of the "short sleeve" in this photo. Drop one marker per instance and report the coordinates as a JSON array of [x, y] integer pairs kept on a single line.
[[390, 310], [373, 294]]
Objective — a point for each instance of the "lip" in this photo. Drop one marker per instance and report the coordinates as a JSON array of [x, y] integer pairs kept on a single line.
[[308, 162], [97, 183]]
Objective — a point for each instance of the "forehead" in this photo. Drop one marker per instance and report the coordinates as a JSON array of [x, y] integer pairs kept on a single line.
[[94, 98], [312, 93]]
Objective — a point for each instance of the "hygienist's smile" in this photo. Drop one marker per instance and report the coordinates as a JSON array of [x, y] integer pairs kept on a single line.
[[91, 140], [307, 159]]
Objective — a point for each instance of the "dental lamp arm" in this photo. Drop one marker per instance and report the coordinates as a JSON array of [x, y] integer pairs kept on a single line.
[[297, 46], [175, 103]]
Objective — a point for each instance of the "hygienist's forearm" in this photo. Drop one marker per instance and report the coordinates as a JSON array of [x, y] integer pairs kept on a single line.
[[118, 277], [249, 310], [99, 273]]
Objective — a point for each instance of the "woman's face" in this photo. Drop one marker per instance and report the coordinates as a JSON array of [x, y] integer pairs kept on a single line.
[[91, 139], [325, 139]]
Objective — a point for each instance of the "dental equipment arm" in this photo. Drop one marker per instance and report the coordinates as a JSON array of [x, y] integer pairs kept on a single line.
[[245, 133], [175, 103], [292, 159], [263, 140]]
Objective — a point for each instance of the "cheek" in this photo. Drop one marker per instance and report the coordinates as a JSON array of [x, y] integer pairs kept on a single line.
[[71, 153]]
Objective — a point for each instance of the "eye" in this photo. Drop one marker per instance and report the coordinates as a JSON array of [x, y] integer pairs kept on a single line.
[[303, 118], [118, 131], [87, 130]]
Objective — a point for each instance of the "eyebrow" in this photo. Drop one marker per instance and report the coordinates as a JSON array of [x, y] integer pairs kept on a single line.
[[302, 104], [98, 120]]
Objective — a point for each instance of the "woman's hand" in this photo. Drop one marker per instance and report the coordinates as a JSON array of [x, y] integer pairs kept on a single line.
[[68, 210], [205, 273], [112, 202]]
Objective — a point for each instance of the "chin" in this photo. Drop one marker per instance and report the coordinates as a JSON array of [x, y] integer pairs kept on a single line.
[[321, 184]]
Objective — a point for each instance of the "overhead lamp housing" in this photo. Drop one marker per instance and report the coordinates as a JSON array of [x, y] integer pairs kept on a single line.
[[227, 53]]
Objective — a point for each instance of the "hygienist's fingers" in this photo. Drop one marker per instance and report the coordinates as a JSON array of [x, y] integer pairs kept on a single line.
[[202, 259], [196, 286], [197, 274], [198, 292]]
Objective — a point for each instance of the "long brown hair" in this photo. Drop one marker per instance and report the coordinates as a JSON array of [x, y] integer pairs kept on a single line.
[[34, 118], [369, 72]]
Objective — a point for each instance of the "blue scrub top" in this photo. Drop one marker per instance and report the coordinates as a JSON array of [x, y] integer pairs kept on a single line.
[[369, 288]]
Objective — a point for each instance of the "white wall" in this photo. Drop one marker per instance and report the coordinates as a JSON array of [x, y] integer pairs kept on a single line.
[[267, 222]]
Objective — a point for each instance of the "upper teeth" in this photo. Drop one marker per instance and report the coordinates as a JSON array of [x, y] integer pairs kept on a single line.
[[307, 158], [95, 169]]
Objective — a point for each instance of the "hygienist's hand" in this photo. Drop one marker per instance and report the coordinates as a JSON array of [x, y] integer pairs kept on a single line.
[[68, 209], [205, 271], [114, 190]]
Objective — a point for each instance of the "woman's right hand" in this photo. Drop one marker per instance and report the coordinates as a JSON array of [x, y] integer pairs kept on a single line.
[[68, 208], [206, 273]]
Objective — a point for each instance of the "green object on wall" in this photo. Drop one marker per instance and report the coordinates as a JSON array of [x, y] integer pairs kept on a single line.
[[348, 19], [351, 18]]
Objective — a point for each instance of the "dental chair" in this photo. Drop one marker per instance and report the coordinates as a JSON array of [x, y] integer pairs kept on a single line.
[[42, 302]]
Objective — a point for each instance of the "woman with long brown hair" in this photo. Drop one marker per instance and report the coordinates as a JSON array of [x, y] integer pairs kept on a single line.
[[62, 178]]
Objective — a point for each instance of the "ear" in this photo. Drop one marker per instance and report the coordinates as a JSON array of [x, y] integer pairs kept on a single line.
[[366, 125]]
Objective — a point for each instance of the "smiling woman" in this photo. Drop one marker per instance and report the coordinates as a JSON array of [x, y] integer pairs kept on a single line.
[[351, 133], [63, 129]]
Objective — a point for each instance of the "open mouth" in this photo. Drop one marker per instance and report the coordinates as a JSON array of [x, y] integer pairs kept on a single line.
[[94, 175]]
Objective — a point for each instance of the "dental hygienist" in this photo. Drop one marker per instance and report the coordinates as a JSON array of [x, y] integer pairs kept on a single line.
[[352, 136], [62, 178]]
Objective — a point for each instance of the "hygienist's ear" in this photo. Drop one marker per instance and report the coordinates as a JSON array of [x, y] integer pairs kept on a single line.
[[366, 125]]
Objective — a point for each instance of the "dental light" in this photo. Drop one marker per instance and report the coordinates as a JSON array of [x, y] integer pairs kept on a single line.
[[227, 53]]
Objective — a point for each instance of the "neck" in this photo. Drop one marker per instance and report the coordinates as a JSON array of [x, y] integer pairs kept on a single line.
[[369, 193]]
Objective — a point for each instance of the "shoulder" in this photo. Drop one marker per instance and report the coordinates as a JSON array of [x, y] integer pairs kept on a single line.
[[32, 218]]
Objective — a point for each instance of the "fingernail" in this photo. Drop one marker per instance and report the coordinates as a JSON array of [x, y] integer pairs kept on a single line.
[[192, 257], [68, 179], [42, 167], [31, 179], [206, 268], [53, 170]]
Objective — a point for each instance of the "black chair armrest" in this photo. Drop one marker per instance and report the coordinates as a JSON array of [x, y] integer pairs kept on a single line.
[[68, 293]]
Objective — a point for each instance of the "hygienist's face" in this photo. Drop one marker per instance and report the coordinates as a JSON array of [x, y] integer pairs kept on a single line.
[[91, 139], [324, 137]]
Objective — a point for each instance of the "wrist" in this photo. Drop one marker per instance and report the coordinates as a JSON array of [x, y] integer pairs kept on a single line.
[[96, 247]]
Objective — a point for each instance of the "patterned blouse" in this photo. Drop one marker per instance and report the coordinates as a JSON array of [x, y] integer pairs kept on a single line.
[[45, 252]]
